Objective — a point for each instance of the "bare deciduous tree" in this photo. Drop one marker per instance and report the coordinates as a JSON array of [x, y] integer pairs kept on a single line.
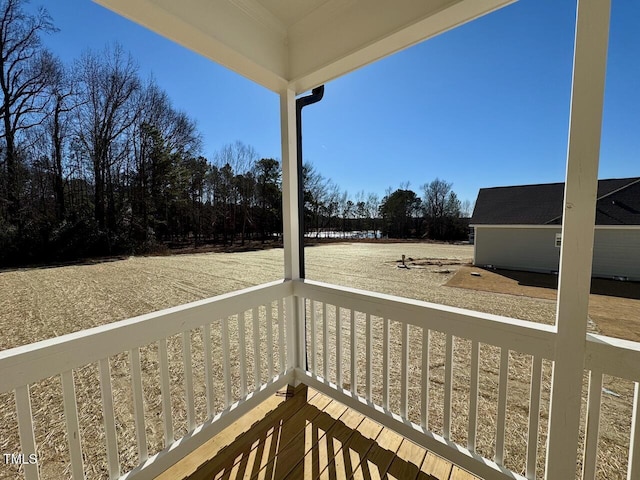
[[63, 94], [373, 209], [236, 164], [441, 206], [24, 69], [466, 208], [109, 83]]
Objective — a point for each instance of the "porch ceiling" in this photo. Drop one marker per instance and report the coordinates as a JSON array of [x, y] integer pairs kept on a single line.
[[299, 44]]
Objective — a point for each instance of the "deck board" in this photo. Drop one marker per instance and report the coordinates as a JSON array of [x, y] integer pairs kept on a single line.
[[379, 457], [294, 441], [436, 467], [310, 436], [340, 433], [407, 462]]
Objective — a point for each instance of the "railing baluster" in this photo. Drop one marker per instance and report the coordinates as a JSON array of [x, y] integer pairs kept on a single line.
[[534, 417], [257, 361], [313, 336], [385, 363], [633, 470], [165, 391], [269, 316], [338, 347], [502, 404], [448, 386], [354, 355], [372, 354], [113, 461], [138, 404], [208, 369], [404, 374], [368, 363], [188, 379], [295, 307], [242, 353], [226, 361], [424, 390], [473, 396], [281, 352], [25, 431], [73, 429], [325, 342], [298, 337]]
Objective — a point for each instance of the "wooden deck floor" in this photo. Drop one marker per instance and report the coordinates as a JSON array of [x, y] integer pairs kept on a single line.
[[310, 436]]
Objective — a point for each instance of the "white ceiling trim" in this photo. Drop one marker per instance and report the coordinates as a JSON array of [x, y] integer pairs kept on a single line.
[[262, 60], [328, 41], [319, 16], [453, 14], [261, 15]]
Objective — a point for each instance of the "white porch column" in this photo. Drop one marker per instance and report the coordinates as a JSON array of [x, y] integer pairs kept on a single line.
[[289, 185], [291, 227], [589, 67]]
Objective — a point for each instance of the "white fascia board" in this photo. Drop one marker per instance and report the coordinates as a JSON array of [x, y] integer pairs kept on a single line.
[[617, 227], [597, 227], [367, 30], [233, 37], [516, 226]]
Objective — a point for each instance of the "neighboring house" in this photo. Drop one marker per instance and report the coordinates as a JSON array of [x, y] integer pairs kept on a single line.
[[519, 228]]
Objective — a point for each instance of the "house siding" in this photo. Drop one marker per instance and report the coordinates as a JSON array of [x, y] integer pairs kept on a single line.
[[616, 251], [517, 248]]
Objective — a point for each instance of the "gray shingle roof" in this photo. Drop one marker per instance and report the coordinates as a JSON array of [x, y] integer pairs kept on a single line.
[[618, 204]]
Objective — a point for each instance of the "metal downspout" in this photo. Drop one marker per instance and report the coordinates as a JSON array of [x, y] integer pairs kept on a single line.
[[316, 95]]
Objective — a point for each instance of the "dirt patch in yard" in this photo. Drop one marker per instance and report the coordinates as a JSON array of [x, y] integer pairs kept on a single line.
[[614, 306]]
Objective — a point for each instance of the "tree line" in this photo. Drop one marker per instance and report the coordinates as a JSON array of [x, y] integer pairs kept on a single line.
[[438, 215], [95, 160], [401, 213]]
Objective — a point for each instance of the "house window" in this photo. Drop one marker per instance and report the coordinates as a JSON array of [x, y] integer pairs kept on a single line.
[[558, 239]]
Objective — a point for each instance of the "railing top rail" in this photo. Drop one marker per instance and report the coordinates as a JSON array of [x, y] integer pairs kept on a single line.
[[519, 335], [613, 356], [30, 363]]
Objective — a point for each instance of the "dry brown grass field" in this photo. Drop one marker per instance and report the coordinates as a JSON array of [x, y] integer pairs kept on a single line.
[[41, 303]]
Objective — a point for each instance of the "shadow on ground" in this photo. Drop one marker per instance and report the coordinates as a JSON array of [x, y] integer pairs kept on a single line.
[[614, 305], [599, 286], [68, 263]]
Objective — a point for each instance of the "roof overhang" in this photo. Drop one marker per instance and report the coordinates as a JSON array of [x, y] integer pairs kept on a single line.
[[597, 227], [299, 44]]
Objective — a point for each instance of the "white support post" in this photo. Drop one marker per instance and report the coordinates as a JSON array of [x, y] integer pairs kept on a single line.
[[291, 227], [589, 67]]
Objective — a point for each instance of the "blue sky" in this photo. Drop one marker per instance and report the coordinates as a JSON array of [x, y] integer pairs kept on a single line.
[[484, 105]]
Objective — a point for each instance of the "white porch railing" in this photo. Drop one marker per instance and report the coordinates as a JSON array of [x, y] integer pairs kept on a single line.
[[252, 338], [449, 379], [397, 361]]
